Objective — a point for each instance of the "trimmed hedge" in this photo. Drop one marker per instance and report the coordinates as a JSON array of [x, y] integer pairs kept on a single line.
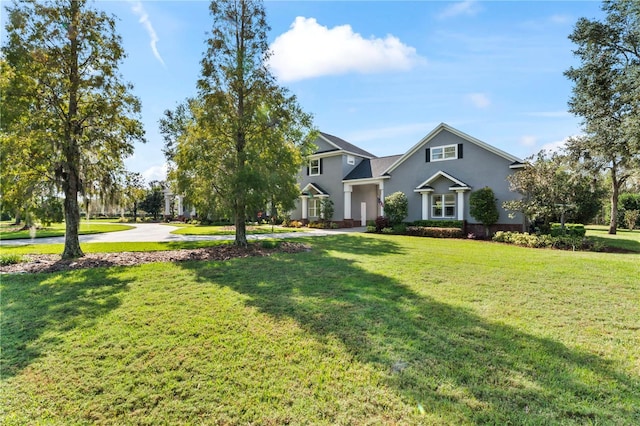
[[563, 242], [428, 231], [439, 223], [570, 229]]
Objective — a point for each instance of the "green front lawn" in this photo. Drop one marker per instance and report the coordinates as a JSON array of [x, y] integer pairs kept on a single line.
[[362, 329], [8, 232], [230, 230], [623, 239]]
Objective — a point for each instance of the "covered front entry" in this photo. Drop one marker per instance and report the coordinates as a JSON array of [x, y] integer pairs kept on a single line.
[[363, 200]]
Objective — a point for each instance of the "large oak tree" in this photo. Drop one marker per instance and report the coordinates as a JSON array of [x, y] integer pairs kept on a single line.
[[237, 146], [606, 95], [74, 117]]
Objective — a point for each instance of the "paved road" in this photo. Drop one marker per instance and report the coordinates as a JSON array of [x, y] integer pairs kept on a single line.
[[151, 232]]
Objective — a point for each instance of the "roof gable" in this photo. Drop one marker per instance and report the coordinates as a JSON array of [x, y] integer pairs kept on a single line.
[[371, 168], [342, 145], [445, 127], [456, 182]]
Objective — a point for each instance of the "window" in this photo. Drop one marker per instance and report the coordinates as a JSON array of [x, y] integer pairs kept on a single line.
[[448, 152], [443, 205], [351, 160], [314, 207], [314, 167]]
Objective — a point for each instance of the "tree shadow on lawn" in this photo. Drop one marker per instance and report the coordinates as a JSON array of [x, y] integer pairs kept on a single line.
[[454, 363], [38, 308]]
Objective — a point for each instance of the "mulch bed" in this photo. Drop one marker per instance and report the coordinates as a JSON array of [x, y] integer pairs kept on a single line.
[[54, 263]]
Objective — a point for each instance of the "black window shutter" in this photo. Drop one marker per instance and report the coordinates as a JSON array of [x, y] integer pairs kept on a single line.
[[307, 170], [428, 155], [459, 150], [320, 165]]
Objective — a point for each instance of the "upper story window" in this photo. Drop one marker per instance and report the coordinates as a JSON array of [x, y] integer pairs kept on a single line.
[[351, 160], [315, 167], [448, 152], [445, 152]]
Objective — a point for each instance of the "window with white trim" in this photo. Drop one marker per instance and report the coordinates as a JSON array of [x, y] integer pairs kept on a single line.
[[447, 152], [443, 205], [314, 167], [313, 207]]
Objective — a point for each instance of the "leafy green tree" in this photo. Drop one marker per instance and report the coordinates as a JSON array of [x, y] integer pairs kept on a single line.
[[606, 95], [396, 207], [239, 144], [482, 206], [66, 100], [153, 200], [551, 189], [133, 192]]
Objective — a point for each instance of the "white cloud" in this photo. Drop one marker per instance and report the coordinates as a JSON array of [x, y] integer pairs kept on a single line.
[[155, 173], [139, 10], [560, 19], [467, 7], [479, 100], [310, 50], [528, 140]]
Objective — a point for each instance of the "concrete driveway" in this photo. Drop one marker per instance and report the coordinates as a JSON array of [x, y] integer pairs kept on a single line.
[[154, 232]]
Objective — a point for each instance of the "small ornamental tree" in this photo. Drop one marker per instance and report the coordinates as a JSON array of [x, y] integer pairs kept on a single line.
[[396, 207], [482, 207], [326, 209]]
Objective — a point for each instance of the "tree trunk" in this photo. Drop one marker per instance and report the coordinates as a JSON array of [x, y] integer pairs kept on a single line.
[[613, 224], [241, 229], [70, 170], [71, 216]]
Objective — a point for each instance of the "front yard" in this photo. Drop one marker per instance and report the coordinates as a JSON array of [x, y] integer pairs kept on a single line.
[[362, 329], [12, 232]]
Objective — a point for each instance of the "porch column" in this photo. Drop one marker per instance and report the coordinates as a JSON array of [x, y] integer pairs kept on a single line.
[[460, 205], [347, 201], [167, 204], [305, 208], [425, 205], [179, 197], [381, 204]]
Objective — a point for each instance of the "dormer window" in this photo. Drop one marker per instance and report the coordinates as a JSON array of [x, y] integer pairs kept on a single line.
[[351, 160], [445, 152]]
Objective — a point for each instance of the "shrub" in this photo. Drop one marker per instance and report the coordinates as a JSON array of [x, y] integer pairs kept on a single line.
[[563, 242], [371, 223], [400, 229], [570, 229], [424, 231], [326, 208], [482, 206], [382, 222], [371, 229], [387, 230], [269, 244], [630, 218], [439, 223], [396, 207], [10, 259]]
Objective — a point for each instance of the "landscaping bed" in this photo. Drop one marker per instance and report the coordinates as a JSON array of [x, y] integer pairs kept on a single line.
[[33, 263]]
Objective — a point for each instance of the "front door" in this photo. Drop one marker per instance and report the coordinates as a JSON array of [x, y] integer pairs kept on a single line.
[[363, 214]]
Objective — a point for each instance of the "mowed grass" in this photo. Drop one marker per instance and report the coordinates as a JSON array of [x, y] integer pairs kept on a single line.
[[623, 239], [362, 329], [185, 229], [7, 232]]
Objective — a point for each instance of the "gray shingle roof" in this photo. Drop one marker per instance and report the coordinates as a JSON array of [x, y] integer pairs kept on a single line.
[[372, 168], [346, 146]]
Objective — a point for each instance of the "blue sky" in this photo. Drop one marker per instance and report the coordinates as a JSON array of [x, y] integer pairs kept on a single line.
[[378, 74]]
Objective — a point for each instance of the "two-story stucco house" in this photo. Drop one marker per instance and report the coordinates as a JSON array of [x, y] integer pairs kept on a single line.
[[437, 175]]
